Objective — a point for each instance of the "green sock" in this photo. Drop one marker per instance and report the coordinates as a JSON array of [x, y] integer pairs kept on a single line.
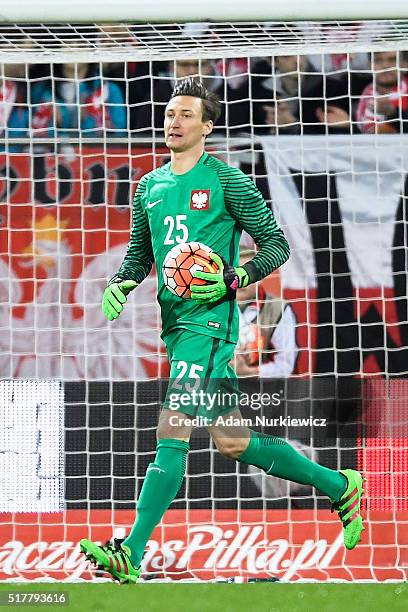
[[161, 485], [279, 458]]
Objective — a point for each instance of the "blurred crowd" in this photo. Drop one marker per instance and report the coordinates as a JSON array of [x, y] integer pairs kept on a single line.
[[315, 94]]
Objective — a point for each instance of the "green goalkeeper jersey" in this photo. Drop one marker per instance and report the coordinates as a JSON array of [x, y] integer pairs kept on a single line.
[[211, 203]]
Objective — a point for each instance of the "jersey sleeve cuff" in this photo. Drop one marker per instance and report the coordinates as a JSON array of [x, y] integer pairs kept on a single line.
[[253, 272], [116, 279]]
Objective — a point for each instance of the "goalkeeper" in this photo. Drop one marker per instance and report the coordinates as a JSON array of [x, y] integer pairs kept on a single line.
[[201, 334]]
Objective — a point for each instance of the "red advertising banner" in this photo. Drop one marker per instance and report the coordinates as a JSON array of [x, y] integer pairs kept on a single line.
[[205, 544]]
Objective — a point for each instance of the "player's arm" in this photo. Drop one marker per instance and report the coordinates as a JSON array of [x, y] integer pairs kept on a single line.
[[246, 205], [137, 262]]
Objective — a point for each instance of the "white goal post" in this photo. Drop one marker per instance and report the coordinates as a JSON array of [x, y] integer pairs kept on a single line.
[[261, 28], [79, 397], [156, 11]]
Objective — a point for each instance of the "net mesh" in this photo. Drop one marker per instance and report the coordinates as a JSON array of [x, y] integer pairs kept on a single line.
[[58, 42], [316, 114]]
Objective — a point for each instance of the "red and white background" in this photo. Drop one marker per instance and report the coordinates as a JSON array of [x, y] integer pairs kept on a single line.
[[206, 545], [64, 227]]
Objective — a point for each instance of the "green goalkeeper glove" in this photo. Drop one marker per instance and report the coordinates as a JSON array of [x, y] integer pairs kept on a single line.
[[224, 282], [115, 295]]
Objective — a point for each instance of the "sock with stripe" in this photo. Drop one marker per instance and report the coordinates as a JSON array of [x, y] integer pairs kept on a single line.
[[278, 458], [161, 485]]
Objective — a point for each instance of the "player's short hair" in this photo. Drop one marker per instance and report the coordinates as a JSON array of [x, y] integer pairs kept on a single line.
[[210, 102]]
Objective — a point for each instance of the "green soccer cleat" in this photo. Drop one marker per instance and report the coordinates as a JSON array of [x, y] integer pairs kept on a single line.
[[114, 559], [349, 507]]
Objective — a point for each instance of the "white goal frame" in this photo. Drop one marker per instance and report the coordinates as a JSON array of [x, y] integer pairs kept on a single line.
[[181, 11], [249, 29]]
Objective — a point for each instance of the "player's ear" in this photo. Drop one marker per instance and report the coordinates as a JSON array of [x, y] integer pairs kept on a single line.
[[208, 127]]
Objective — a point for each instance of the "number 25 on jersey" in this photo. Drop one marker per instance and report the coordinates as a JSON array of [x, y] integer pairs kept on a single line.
[[177, 230]]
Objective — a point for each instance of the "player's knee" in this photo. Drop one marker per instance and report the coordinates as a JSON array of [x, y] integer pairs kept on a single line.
[[231, 448], [165, 430], [172, 425]]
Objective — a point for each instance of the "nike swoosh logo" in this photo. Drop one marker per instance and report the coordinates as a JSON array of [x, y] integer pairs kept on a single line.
[[151, 204], [155, 468]]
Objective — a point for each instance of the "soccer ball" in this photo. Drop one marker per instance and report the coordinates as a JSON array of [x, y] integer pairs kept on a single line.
[[182, 262]]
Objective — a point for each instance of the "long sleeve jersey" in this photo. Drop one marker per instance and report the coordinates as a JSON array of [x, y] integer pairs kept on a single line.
[[211, 203]]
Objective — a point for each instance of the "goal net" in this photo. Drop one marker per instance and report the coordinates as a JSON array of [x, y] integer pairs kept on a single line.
[[317, 114]]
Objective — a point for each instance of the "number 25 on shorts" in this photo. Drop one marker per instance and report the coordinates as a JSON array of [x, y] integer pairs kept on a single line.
[[193, 377]]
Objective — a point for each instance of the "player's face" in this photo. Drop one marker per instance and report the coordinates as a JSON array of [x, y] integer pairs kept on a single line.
[[183, 124]]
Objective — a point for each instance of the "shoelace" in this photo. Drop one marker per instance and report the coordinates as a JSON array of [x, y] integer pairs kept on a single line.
[[117, 543], [114, 546], [115, 549]]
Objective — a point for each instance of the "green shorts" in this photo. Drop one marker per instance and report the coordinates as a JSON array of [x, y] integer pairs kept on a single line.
[[202, 383]]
